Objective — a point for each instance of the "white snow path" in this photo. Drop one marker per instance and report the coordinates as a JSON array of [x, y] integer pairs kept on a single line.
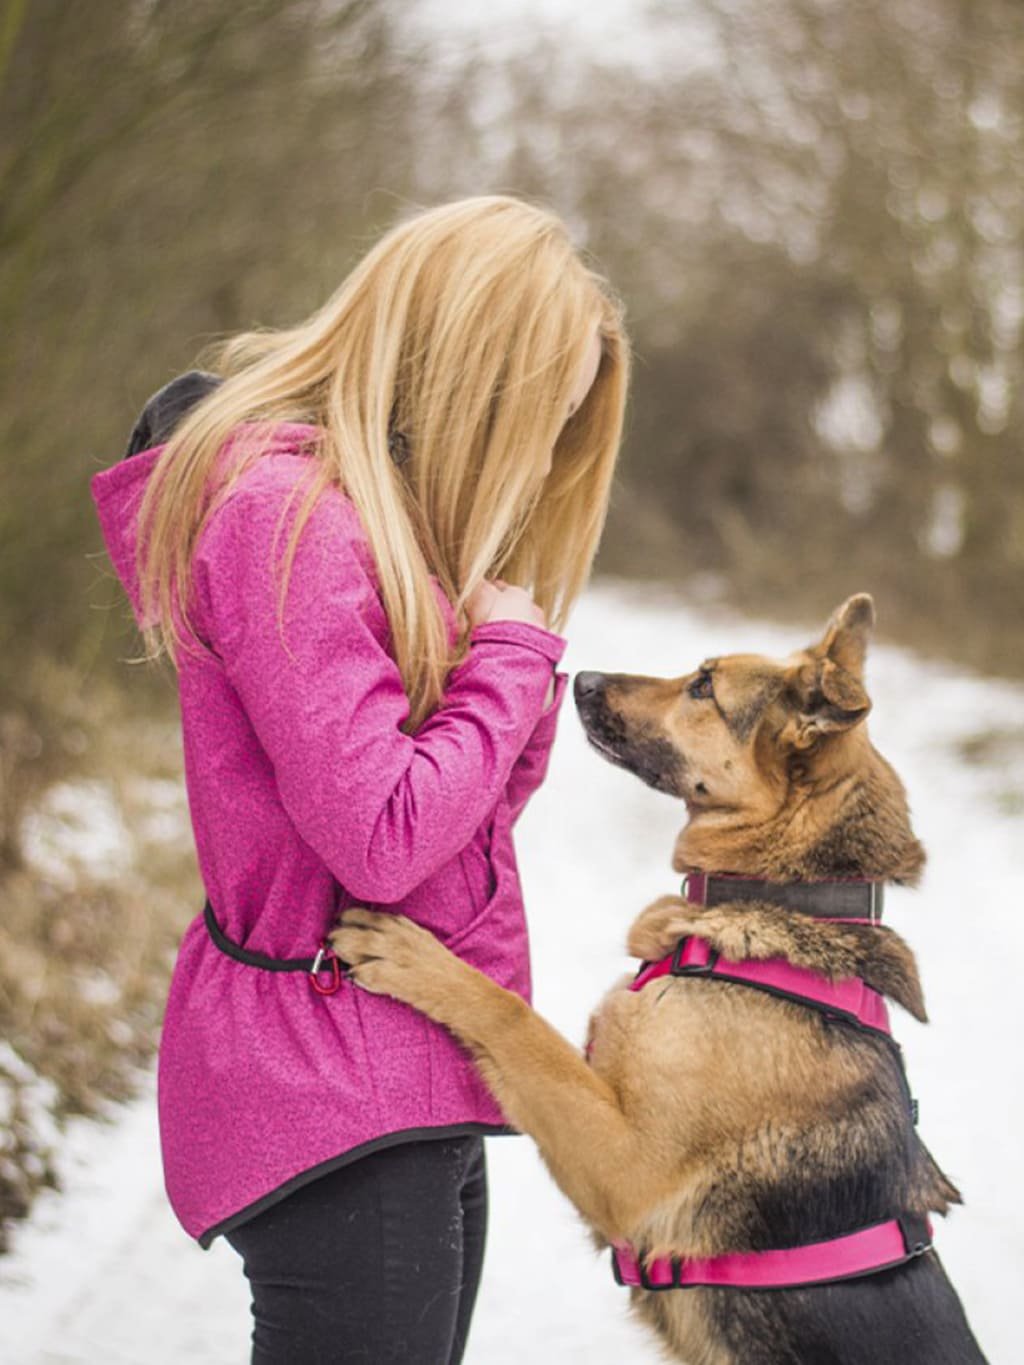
[[103, 1275]]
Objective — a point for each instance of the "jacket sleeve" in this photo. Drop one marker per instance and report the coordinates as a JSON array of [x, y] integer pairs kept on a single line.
[[382, 808], [530, 768]]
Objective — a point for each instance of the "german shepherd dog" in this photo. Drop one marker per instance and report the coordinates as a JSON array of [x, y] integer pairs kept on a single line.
[[709, 1118]]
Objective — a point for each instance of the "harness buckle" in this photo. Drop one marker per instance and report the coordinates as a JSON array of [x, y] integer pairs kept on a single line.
[[645, 1275], [681, 968], [917, 1233], [635, 1256], [325, 953], [688, 886], [875, 904]]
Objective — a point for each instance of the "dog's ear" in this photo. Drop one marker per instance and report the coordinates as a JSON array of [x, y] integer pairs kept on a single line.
[[846, 636], [828, 700]]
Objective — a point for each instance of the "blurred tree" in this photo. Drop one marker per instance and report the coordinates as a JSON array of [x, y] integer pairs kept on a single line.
[[883, 145], [167, 172], [815, 210]]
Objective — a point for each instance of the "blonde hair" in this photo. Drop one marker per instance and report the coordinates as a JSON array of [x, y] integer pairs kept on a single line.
[[463, 330]]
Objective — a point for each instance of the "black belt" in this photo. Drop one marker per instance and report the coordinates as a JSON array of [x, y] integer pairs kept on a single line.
[[325, 960]]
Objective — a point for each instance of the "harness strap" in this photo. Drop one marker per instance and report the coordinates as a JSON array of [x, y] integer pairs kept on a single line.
[[871, 1249], [864, 1252], [325, 959], [849, 998]]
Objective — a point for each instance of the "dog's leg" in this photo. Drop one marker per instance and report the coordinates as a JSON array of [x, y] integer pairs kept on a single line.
[[542, 1083], [657, 930]]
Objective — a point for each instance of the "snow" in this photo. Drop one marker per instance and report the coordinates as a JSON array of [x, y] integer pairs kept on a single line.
[[103, 1275], [77, 826]]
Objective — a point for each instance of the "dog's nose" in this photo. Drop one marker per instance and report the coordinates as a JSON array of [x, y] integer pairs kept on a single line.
[[585, 684]]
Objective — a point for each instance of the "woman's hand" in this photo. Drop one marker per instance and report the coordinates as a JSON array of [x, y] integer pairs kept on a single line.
[[495, 600]]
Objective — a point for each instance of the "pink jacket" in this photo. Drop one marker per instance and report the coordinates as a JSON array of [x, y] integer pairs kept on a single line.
[[305, 796]]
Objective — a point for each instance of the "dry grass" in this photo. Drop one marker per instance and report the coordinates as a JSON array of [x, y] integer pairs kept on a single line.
[[98, 882]]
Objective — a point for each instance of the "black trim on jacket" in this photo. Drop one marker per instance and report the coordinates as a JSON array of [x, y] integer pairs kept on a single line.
[[343, 1159]]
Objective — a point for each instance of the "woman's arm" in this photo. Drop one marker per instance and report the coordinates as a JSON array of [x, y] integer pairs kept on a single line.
[[531, 766], [382, 808]]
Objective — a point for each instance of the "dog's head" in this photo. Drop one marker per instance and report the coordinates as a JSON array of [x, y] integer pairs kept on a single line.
[[733, 737]]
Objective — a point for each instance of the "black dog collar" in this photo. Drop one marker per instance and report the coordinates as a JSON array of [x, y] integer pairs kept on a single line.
[[853, 899]]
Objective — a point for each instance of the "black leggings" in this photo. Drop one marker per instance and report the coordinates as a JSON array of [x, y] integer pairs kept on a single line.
[[378, 1261]]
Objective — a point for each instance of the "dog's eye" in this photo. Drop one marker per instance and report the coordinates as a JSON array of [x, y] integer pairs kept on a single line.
[[700, 689]]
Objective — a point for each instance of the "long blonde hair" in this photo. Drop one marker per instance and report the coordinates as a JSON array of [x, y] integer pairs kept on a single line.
[[459, 335]]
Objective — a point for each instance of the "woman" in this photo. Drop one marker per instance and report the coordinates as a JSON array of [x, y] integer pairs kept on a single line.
[[369, 692]]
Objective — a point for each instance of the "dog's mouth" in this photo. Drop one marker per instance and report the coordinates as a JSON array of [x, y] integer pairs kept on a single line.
[[604, 746], [646, 754], [646, 761]]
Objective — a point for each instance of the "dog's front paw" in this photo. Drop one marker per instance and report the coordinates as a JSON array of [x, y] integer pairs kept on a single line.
[[659, 928], [389, 954]]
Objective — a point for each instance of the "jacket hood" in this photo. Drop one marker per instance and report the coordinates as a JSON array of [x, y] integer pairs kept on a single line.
[[165, 409], [117, 493]]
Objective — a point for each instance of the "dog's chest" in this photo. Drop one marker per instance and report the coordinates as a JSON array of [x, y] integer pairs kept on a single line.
[[689, 1056], [640, 1039]]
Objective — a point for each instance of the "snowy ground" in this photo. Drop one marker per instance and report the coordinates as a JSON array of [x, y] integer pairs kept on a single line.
[[103, 1275]]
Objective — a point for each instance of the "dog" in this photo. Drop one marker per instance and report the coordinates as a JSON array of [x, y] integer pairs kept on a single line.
[[708, 1124]]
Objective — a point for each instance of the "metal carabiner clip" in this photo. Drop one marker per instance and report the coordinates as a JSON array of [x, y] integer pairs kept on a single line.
[[325, 954]]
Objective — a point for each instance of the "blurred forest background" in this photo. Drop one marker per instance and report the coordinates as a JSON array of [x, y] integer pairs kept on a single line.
[[814, 212]]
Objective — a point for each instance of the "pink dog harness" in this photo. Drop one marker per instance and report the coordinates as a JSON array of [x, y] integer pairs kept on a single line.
[[840, 1258], [850, 1000]]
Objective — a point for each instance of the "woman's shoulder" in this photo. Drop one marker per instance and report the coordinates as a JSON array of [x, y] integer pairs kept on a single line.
[[254, 512], [277, 466], [242, 548], [261, 456]]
